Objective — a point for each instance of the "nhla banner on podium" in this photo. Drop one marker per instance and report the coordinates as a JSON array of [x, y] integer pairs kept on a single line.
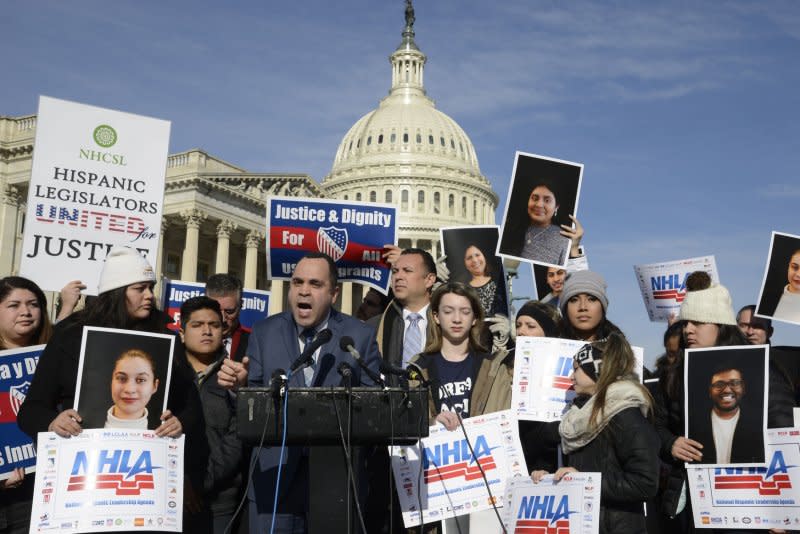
[[97, 180]]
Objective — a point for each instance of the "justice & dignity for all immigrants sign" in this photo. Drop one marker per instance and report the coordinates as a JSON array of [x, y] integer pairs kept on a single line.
[[97, 180], [352, 233]]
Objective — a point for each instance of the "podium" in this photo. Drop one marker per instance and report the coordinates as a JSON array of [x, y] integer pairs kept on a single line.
[[331, 421]]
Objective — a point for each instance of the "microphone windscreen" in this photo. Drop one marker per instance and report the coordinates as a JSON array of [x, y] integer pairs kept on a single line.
[[324, 336], [346, 342]]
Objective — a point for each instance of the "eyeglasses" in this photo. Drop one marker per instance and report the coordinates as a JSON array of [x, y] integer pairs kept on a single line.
[[722, 384]]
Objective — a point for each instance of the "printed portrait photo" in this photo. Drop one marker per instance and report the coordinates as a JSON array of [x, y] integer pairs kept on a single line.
[[725, 403], [471, 259], [542, 195], [780, 290], [123, 378]]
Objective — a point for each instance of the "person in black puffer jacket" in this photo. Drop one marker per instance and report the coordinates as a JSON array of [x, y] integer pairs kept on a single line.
[[708, 321], [607, 430]]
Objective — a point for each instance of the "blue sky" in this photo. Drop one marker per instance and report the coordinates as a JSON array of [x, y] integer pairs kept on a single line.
[[685, 114]]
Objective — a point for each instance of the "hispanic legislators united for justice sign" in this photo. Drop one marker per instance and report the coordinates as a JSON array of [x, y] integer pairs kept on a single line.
[[97, 181]]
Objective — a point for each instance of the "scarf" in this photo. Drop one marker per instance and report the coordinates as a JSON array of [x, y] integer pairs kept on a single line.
[[577, 430]]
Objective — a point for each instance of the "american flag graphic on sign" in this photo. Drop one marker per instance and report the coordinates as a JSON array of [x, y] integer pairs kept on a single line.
[[17, 395], [332, 241]]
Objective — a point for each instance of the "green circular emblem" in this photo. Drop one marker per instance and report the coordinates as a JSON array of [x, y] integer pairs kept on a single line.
[[105, 136]]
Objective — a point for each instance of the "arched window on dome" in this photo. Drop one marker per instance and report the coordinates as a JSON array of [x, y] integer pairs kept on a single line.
[[441, 140], [421, 201], [358, 197], [387, 196], [351, 145], [419, 138], [430, 139], [452, 144], [373, 196], [347, 197], [437, 203], [369, 140], [393, 137], [380, 139], [451, 205], [358, 143], [404, 200], [463, 206], [405, 137]]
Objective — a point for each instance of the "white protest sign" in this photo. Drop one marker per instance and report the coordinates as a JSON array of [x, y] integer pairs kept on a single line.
[[569, 506], [542, 388], [447, 480], [108, 480], [97, 180], [751, 497], [663, 285]]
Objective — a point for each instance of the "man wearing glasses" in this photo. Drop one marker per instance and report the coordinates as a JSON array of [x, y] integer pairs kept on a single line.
[[226, 289], [730, 434]]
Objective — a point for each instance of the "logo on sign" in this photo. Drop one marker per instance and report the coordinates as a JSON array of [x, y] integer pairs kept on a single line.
[[767, 480], [16, 395], [112, 470], [561, 372], [669, 287], [105, 136], [332, 241], [453, 460], [543, 514]]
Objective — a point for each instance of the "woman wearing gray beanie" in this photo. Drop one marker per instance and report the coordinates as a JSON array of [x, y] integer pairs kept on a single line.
[[583, 306]]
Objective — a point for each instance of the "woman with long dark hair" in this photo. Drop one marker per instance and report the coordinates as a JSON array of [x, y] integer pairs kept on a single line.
[[125, 301], [607, 430], [23, 322], [583, 306]]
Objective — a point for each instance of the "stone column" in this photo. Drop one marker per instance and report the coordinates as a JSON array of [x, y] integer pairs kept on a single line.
[[224, 230], [253, 240], [8, 227], [276, 297], [162, 247], [193, 218], [347, 298]]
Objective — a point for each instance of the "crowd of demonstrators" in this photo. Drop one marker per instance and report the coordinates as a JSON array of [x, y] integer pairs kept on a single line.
[[614, 425], [125, 301]]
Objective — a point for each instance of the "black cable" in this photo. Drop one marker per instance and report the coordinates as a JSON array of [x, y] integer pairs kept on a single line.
[[253, 459], [349, 465]]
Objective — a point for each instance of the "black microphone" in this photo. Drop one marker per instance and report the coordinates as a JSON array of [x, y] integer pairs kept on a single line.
[[345, 370], [347, 344], [389, 369], [322, 337]]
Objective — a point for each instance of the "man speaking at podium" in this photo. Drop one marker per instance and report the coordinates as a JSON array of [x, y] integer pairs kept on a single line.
[[275, 344]]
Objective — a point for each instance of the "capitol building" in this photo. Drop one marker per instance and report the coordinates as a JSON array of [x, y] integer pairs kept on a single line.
[[406, 153]]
